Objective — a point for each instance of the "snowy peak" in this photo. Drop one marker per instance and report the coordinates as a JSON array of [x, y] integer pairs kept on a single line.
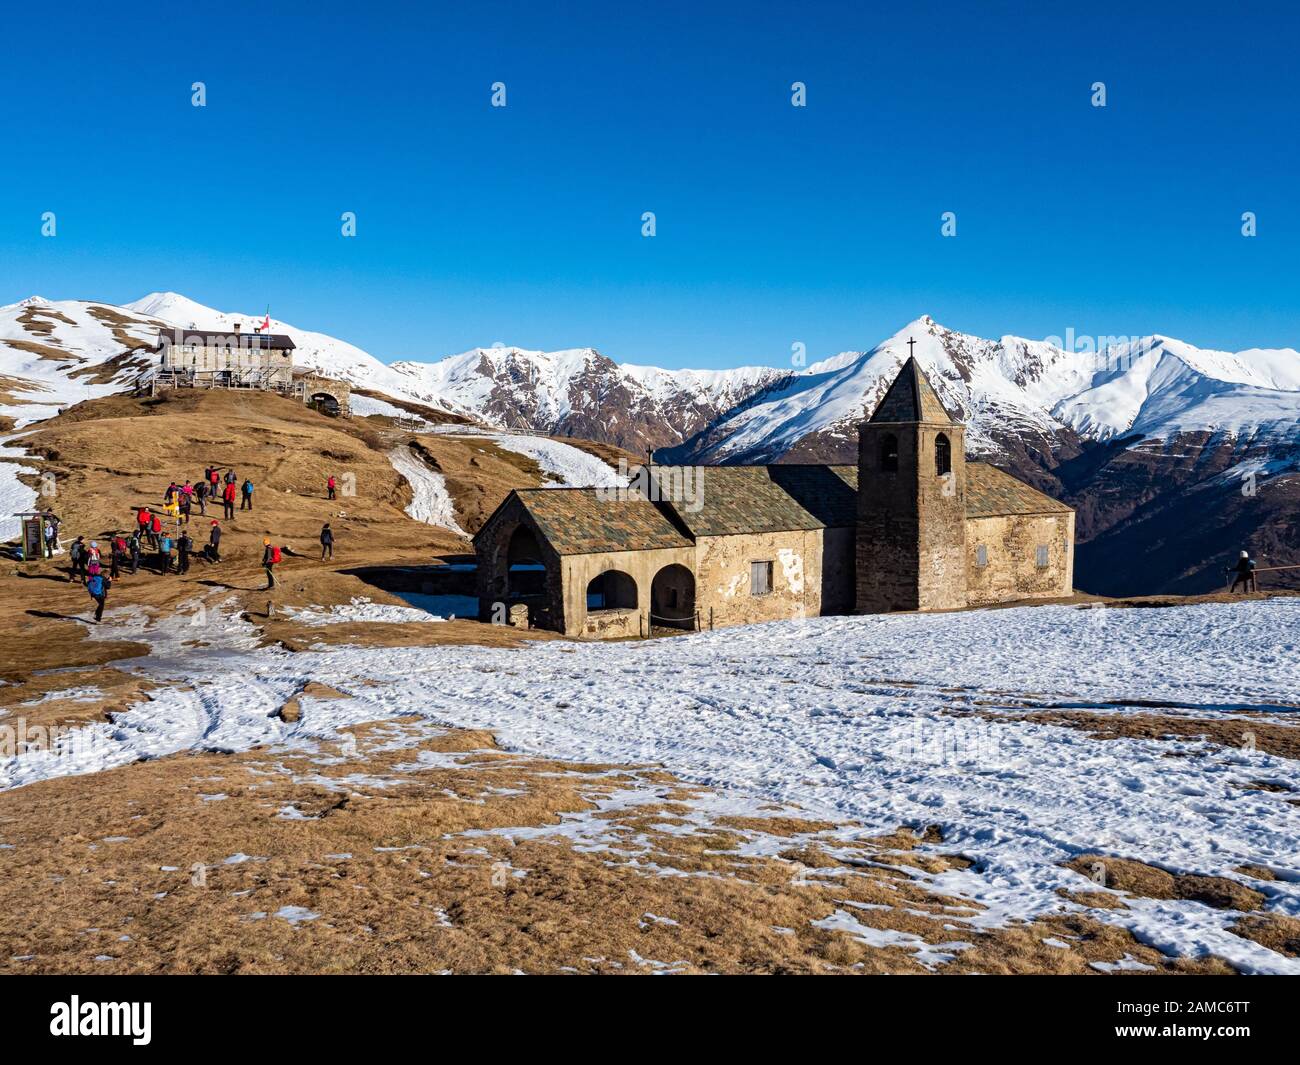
[[1018, 389], [54, 353]]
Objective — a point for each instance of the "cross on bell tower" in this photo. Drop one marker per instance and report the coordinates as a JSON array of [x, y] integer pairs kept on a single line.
[[911, 347]]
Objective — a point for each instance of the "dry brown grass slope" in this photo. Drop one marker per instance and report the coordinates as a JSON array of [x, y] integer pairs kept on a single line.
[[110, 456]]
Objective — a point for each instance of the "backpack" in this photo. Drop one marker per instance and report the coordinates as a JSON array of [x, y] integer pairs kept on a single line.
[[95, 586], [165, 545], [248, 488], [275, 554], [75, 552]]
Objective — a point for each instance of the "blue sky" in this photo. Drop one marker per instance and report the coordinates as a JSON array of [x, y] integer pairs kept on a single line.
[[775, 224]]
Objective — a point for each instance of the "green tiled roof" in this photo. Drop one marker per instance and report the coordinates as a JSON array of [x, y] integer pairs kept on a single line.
[[990, 492], [911, 399], [750, 499], [577, 521]]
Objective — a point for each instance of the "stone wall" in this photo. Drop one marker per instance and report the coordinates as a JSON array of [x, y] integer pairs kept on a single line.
[[722, 568], [642, 566], [911, 521], [545, 610], [1011, 545]]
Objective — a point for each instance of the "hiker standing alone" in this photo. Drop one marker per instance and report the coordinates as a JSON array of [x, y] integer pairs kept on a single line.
[[331, 488], [270, 559], [183, 548], [326, 542], [246, 491], [214, 542], [1244, 572]]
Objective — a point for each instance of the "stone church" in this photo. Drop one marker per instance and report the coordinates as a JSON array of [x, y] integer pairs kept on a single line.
[[913, 526]]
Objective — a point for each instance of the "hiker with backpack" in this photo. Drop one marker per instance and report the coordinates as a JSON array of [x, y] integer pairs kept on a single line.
[[97, 586], [183, 548], [134, 547], [77, 556], [326, 542], [93, 568], [246, 490], [214, 542], [116, 549], [142, 517], [228, 500], [331, 487], [270, 559], [164, 554], [201, 496]]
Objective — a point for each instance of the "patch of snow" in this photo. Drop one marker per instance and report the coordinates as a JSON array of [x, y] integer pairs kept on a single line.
[[431, 503], [360, 608]]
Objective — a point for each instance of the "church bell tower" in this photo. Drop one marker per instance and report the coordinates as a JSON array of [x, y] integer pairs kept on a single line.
[[911, 523]]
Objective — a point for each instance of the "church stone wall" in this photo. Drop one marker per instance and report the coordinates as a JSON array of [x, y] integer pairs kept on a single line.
[[911, 521], [722, 568], [545, 611], [941, 502], [579, 570], [1011, 545]]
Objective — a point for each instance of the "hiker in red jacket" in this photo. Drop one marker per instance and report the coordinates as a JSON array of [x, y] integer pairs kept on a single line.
[[142, 521], [155, 530], [270, 559], [228, 499], [330, 487]]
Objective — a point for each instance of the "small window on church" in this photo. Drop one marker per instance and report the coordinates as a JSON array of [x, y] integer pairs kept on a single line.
[[889, 453], [942, 455], [1042, 556], [981, 555], [760, 578]]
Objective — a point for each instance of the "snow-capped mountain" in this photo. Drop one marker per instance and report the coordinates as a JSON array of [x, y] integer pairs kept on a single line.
[[54, 353], [576, 392], [581, 393], [331, 356], [1015, 392]]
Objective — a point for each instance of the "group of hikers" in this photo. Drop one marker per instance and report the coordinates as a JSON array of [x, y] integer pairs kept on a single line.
[[180, 500], [97, 567]]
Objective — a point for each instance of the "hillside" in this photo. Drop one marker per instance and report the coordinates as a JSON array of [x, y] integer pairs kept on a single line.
[[417, 496]]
